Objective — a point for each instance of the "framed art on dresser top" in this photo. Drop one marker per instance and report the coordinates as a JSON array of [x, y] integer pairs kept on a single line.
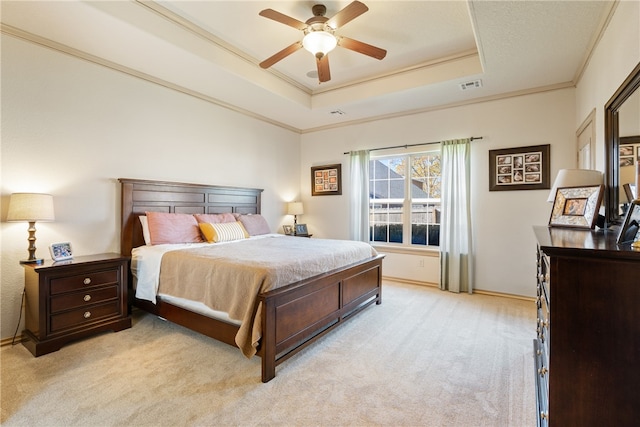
[[630, 230], [576, 207]]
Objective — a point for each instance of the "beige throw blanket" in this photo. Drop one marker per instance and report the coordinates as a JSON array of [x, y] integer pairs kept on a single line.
[[229, 277]]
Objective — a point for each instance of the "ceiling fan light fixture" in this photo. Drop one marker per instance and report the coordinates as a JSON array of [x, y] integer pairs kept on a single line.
[[319, 42]]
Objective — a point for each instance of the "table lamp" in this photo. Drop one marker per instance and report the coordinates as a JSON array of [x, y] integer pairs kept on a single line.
[[31, 207], [575, 178], [295, 209]]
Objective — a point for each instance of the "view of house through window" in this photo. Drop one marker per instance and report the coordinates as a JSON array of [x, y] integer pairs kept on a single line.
[[404, 199]]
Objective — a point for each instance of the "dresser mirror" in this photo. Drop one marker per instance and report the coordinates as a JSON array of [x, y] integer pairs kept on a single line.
[[622, 129]]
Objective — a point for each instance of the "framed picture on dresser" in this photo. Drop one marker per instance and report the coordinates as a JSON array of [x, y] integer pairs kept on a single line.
[[576, 207], [630, 230]]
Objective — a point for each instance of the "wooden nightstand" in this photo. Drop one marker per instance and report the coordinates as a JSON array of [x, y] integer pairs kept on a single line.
[[68, 300]]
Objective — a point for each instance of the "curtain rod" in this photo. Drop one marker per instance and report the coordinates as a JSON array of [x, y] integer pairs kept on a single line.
[[473, 138]]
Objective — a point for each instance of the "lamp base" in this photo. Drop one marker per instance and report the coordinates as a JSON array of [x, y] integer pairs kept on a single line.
[[32, 261]]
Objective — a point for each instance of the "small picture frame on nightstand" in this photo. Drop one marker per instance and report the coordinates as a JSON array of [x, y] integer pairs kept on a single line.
[[301, 230], [61, 251], [288, 230]]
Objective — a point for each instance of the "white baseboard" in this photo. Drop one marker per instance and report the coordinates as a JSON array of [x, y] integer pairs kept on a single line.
[[475, 291]]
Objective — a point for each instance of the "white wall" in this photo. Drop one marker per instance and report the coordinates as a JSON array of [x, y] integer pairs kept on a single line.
[[502, 220], [615, 56], [72, 128]]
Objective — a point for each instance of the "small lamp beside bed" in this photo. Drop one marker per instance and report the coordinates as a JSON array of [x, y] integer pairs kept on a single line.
[[31, 207], [295, 209]]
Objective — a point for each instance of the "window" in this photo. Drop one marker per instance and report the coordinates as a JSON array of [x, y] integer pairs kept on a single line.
[[404, 199]]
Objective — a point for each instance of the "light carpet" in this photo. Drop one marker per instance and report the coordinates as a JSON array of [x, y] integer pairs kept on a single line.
[[423, 358]]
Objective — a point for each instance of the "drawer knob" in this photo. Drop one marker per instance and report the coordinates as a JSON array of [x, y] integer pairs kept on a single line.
[[87, 314], [87, 281], [87, 298]]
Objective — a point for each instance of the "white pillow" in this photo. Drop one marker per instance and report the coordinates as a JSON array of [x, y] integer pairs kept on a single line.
[[145, 229]]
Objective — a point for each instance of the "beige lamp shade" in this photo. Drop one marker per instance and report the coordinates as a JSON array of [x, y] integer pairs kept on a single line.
[[295, 208], [575, 178], [30, 207]]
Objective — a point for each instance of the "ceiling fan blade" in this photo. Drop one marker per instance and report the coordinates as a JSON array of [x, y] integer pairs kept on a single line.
[[360, 47], [324, 75], [349, 13], [283, 19], [281, 55]]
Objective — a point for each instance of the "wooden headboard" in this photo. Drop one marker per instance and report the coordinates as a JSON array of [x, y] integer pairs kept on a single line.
[[140, 196]]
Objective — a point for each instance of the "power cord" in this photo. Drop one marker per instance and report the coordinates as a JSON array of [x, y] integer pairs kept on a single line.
[[15, 334]]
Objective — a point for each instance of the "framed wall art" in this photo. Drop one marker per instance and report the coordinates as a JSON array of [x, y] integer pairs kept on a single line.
[[630, 230], [576, 207], [326, 180], [522, 168]]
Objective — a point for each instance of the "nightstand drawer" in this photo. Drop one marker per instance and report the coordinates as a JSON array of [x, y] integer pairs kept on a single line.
[[82, 316], [83, 299], [81, 281]]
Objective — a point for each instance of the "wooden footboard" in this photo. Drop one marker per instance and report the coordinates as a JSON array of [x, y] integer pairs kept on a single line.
[[293, 316], [297, 315]]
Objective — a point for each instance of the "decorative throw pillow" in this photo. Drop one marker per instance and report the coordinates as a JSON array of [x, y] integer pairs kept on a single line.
[[172, 228], [255, 224], [215, 218], [145, 229], [223, 232]]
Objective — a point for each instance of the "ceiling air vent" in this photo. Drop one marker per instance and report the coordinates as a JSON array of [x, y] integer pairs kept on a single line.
[[475, 84]]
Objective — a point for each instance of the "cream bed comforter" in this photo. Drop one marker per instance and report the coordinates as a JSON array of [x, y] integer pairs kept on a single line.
[[229, 277]]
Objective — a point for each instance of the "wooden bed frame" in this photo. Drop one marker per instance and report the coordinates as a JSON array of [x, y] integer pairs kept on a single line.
[[293, 316]]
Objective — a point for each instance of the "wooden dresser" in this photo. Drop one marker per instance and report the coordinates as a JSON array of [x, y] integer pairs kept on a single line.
[[587, 349], [68, 300]]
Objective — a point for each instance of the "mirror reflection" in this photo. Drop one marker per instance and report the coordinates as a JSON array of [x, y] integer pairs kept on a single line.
[[622, 107], [629, 152]]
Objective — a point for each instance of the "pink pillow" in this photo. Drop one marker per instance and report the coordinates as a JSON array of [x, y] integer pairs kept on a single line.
[[215, 218], [254, 224], [173, 228]]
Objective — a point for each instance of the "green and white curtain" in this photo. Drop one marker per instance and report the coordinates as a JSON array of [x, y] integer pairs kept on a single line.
[[456, 249], [359, 200]]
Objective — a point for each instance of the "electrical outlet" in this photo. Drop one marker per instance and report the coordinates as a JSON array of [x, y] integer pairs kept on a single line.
[[421, 262]]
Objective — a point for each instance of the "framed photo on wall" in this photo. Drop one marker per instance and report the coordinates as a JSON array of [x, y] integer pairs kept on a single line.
[[522, 168], [326, 180]]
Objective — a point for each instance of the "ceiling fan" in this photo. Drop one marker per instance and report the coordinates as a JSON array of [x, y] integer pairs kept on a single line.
[[320, 38]]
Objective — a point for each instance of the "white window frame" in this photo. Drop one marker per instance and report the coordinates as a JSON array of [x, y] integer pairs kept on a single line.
[[407, 202]]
